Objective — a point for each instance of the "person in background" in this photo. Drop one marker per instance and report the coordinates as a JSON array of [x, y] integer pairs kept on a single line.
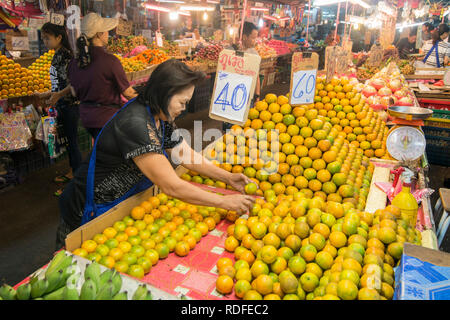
[[97, 77], [407, 46], [55, 38], [249, 35], [331, 40], [188, 29], [426, 31], [437, 50]]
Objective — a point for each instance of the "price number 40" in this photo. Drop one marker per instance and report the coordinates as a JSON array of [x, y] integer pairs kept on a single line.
[[237, 101]]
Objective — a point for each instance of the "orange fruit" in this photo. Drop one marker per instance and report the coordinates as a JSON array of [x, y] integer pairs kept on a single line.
[[89, 245], [110, 232], [224, 284], [231, 243], [347, 290]]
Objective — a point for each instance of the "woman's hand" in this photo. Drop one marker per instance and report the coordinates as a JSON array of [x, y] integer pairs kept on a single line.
[[54, 97], [43, 95], [238, 181], [239, 203]]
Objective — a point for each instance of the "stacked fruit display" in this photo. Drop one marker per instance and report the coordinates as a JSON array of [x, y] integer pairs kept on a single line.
[[62, 279], [388, 87], [265, 51], [124, 45], [209, 52], [312, 249], [151, 57], [16, 81], [152, 230], [321, 149], [281, 47], [131, 65]]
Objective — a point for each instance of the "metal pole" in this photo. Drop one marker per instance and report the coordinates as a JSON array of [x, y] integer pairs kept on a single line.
[[307, 23], [337, 22], [244, 11], [345, 26]]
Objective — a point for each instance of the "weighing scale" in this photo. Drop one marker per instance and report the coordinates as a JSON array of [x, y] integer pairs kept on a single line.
[[406, 140]]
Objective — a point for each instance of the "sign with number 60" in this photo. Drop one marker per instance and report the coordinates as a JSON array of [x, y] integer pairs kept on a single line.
[[303, 78]]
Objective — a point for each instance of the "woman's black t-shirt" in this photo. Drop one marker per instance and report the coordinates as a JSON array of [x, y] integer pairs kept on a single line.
[[129, 134]]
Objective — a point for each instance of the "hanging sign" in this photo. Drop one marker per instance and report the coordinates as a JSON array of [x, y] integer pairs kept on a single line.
[[234, 87], [330, 62], [124, 28], [159, 40], [56, 18], [303, 78]]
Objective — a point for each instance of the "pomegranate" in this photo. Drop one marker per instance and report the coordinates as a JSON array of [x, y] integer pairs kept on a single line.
[[384, 91], [369, 91]]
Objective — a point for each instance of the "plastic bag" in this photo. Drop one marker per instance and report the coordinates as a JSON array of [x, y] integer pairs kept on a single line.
[[14, 132]]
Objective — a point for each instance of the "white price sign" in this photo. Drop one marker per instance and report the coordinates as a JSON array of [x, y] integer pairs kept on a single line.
[[231, 96], [304, 87], [234, 87], [57, 19], [303, 78], [159, 40], [20, 43]]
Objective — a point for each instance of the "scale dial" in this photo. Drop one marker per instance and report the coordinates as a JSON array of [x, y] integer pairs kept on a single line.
[[406, 143]]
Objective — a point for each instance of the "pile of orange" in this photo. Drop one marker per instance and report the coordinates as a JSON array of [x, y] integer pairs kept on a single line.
[[16, 81], [131, 65], [152, 230], [311, 249], [322, 149], [151, 56]]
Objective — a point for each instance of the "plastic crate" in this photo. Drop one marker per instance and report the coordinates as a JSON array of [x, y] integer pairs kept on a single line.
[[438, 144], [202, 95], [440, 118]]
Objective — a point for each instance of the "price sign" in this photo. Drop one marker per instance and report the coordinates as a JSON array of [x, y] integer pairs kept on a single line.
[[234, 86], [124, 28], [159, 39], [20, 44], [375, 56], [303, 78], [341, 60], [330, 62], [57, 19]]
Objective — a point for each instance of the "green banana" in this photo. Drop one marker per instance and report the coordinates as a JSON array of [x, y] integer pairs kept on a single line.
[[56, 261], [38, 288], [105, 277], [68, 272], [38, 299], [7, 292], [117, 281], [93, 271], [54, 279], [140, 293], [55, 295], [24, 291], [121, 296], [88, 290], [70, 294], [106, 292], [73, 280]]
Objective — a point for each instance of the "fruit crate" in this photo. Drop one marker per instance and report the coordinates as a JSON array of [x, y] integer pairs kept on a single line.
[[435, 104], [202, 94], [438, 143], [440, 118]]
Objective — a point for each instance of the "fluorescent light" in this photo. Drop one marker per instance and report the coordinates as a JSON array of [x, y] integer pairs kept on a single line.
[[156, 8], [259, 9], [404, 25], [182, 13], [270, 18], [285, 18], [173, 15], [260, 23], [171, 1], [213, 1], [205, 16], [361, 3], [196, 8]]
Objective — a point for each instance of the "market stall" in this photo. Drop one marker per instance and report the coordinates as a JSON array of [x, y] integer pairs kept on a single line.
[[338, 168]]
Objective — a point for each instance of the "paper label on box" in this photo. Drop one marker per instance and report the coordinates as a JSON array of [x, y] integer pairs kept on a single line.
[[181, 269], [216, 233], [217, 250], [214, 270], [216, 293], [181, 290]]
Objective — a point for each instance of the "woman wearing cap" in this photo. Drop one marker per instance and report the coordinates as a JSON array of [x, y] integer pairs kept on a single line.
[[132, 152], [96, 76]]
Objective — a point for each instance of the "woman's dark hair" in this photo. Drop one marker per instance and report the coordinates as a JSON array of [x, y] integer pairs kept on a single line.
[[169, 78], [56, 30], [83, 51], [436, 35]]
